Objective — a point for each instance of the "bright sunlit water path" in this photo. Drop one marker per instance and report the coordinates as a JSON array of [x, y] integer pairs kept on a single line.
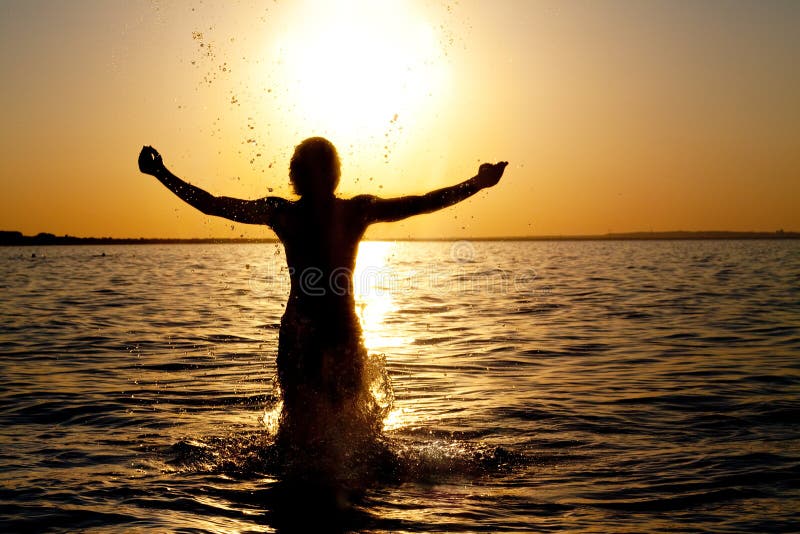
[[560, 386]]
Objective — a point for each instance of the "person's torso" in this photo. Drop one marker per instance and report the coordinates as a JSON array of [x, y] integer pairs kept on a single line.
[[321, 243]]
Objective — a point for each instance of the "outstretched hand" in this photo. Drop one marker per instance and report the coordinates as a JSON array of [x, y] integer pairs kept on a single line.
[[150, 160], [489, 173]]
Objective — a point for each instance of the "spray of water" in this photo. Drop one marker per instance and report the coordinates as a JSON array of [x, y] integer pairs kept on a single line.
[[331, 429]]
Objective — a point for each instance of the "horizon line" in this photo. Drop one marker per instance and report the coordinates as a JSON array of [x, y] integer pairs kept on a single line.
[[12, 238]]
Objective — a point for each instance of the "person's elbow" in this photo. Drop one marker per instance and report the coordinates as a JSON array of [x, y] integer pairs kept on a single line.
[[209, 206], [411, 206]]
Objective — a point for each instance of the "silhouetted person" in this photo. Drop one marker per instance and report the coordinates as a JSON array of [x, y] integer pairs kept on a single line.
[[321, 357]]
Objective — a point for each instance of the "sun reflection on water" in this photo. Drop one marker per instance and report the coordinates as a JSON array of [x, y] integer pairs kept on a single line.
[[372, 281], [373, 294]]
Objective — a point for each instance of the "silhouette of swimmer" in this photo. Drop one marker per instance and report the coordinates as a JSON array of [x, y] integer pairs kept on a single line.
[[323, 369]]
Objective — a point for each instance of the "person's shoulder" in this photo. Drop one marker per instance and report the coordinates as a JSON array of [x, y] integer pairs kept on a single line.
[[360, 200], [360, 206], [277, 202], [362, 203], [274, 210]]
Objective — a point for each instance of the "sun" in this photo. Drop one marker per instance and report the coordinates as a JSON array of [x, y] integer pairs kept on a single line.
[[354, 69]]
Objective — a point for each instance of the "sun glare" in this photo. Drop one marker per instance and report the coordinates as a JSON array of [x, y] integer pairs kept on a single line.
[[356, 69]]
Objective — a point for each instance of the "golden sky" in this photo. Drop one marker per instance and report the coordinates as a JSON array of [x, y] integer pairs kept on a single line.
[[615, 115]]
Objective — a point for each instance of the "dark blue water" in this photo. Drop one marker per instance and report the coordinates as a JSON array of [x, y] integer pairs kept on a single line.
[[559, 386]]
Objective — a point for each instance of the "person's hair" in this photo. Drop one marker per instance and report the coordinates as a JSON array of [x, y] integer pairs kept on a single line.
[[314, 167]]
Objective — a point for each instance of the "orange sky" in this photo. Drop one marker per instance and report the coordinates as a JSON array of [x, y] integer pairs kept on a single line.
[[615, 116]]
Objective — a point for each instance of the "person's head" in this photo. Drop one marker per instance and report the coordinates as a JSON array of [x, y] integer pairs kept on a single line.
[[314, 168]]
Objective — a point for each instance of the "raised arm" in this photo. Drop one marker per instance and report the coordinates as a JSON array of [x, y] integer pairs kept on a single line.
[[395, 209], [261, 211]]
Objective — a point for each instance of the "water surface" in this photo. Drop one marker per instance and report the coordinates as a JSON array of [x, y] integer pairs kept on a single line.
[[545, 386]]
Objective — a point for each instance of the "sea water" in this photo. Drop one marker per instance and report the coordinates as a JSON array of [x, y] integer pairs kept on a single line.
[[536, 386]]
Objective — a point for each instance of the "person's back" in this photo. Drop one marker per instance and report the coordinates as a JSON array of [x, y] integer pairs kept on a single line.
[[320, 239], [322, 363], [321, 359]]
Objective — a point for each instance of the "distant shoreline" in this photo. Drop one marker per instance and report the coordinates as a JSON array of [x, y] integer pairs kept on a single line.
[[13, 238]]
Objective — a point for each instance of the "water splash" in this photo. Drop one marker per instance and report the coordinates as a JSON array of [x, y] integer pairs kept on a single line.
[[332, 430]]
